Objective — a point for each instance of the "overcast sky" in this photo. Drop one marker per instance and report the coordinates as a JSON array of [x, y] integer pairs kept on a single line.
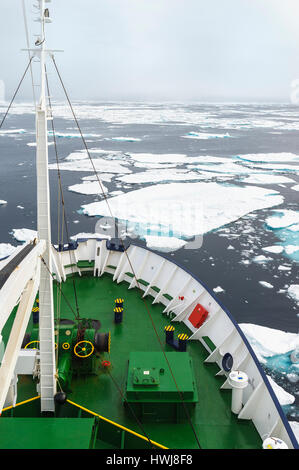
[[201, 50]]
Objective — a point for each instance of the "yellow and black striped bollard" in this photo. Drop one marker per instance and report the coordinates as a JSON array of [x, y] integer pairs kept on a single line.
[[119, 302], [169, 331], [35, 315], [118, 314], [182, 344]]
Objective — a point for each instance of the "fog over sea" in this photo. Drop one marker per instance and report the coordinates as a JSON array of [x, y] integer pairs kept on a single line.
[[228, 172]]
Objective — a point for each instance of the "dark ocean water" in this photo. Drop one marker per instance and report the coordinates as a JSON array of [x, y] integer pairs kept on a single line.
[[246, 299]]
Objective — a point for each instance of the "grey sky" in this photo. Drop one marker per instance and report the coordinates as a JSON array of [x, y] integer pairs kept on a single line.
[[211, 50]]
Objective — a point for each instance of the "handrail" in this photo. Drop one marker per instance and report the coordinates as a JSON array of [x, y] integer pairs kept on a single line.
[[117, 425]]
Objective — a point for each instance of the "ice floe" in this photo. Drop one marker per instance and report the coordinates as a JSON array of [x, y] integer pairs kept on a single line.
[[12, 131], [88, 187], [281, 267], [188, 208], [100, 164], [267, 179], [205, 136], [269, 157], [123, 139], [284, 218], [295, 188], [273, 249], [295, 428], [293, 292], [262, 259], [6, 249], [266, 284], [24, 234], [154, 176], [218, 289], [284, 397], [164, 244], [267, 342]]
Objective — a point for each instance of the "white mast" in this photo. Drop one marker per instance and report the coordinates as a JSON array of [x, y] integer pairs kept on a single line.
[[46, 309]]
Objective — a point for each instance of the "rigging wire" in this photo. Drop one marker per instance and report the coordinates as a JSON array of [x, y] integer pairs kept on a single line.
[[60, 192], [15, 93], [127, 256], [59, 286]]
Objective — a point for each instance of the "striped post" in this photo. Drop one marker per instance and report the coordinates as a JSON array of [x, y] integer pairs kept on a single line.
[[169, 331], [182, 344]]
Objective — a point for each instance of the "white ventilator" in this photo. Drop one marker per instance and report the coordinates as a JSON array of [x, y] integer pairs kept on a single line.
[[274, 443], [238, 381]]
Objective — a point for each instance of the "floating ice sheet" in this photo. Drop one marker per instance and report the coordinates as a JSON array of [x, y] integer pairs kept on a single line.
[[164, 244], [293, 292], [284, 397], [269, 157], [266, 284], [24, 234], [154, 176], [6, 249], [186, 209], [92, 187], [268, 342], [100, 164], [283, 218], [267, 179], [205, 136]]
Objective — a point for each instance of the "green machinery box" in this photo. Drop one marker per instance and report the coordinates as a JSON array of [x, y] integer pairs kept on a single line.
[[157, 393]]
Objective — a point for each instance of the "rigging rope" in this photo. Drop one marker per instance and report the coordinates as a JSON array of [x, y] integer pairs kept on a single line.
[[15, 93], [60, 189], [127, 256]]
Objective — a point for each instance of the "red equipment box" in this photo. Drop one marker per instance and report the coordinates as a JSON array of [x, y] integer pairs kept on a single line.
[[198, 315]]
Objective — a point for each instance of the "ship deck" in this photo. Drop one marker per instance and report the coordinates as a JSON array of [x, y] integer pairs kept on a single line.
[[215, 425]]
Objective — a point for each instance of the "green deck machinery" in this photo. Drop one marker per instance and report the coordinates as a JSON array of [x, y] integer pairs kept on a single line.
[[79, 346]]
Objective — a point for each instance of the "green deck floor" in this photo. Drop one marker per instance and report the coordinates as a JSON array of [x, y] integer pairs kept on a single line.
[[216, 426]]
